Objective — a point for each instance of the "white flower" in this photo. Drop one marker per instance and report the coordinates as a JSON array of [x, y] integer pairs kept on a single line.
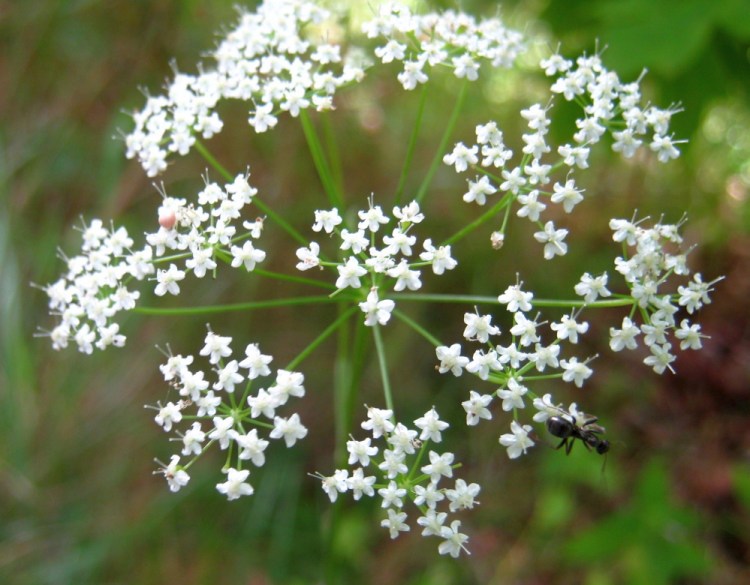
[[228, 377], [440, 257], [569, 328], [478, 191], [660, 358], [518, 441], [575, 371], [690, 335], [372, 219], [625, 337], [405, 278], [263, 403], [462, 157], [513, 396], [167, 281], [361, 485], [395, 522], [326, 220], [354, 241], [290, 429], [336, 484], [216, 347], [516, 299], [308, 257], [378, 421], [439, 466], [247, 255], [451, 359], [377, 311], [567, 194], [428, 495], [393, 463], [235, 485], [392, 495], [531, 207], [453, 542], [256, 362], [252, 447], [287, 384], [476, 407], [222, 426], [191, 441], [408, 214], [201, 261], [552, 240], [665, 148], [525, 328], [479, 327], [591, 288], [431, 426], [349, 274], [360, 452], [169, 414], [481, 363], [463, 496], [432, 522], [176, 476]]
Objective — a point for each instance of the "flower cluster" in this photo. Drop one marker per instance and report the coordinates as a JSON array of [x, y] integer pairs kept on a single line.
[[609, 106], [95, 286], [225, 414], [399, 474], [264, 60], [93, 290], [450, 40], [201, 233], [646, 271], [390, 259], [513, 364]]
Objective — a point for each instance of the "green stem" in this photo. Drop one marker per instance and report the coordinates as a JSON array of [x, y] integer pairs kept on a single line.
[[418, 328], [320, 338], [250, 306], [211, 159], [412, 146], [332, 147], [486, 216], [319, 159], [276, 218], [297, 279], [484, 300], [443, 143], [380, 348]]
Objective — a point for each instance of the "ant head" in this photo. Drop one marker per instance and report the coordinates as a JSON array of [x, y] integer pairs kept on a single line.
[[602, 447]]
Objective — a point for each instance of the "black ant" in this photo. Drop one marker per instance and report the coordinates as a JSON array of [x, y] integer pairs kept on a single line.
[[567, 430]]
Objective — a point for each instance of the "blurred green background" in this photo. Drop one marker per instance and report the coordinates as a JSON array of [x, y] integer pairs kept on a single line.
[[78, 502]]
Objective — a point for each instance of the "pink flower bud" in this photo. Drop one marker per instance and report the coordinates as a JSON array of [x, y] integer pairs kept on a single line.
[[167, 219]]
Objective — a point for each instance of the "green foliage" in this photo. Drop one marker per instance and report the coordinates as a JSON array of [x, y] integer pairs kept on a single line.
[[650, 540]]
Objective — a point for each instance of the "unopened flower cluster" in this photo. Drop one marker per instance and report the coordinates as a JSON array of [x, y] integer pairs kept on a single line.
[[389, 259], [609, 106], [397, 472], [225, 410], [95, 287]]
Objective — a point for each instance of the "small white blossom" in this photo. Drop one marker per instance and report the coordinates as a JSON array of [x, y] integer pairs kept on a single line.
[[518, 440], [235, 486], [451, 359]]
